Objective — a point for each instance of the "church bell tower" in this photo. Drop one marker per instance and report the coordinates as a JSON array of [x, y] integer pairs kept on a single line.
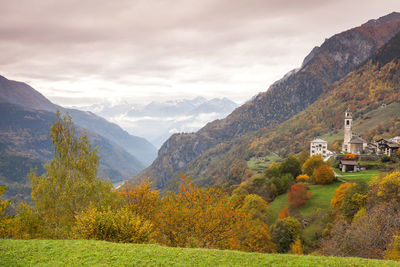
[[348, 120]]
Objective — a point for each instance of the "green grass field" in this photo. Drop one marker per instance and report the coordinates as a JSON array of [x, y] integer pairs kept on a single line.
[[320, 199], [100, 253], [365, 176]]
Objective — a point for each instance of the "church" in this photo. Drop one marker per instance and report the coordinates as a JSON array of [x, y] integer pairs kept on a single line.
[[352, 143]]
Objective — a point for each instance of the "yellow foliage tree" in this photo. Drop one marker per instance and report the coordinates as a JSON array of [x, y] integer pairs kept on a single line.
[[195, 217], [389, 187], [5, 221], [340, 192], [70, 183], [312, 163], [141, 200], [324, 175], [303, 178], [296, 247], [393, 250]]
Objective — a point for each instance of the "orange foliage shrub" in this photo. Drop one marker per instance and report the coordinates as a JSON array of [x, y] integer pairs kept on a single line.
[[141, 200], [324, 175], [197, 217], [296, 247], [298, 195], [340, 192], [283, 213], [350, 156]]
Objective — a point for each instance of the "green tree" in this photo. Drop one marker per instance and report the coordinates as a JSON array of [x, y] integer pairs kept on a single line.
[[285, 232], [256, 207], [291, 165], [70, 183]]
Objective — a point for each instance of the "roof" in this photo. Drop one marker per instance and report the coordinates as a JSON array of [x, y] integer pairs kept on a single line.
[[392, 144], [318, 140], [348, 162], [357, 140]]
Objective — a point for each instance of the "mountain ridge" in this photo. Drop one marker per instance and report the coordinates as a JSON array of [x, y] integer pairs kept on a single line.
[[336, 57]]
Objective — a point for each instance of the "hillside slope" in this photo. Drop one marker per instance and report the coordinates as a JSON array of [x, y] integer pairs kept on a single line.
[[363, 91], [25, 144], [327, 64], [24, 95], [99, 253]]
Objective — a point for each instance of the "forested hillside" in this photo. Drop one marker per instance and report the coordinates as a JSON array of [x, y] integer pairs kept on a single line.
[[25, 144], [327, 64]]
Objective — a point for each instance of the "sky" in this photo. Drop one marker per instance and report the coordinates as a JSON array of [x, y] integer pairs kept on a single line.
[[80, 53]]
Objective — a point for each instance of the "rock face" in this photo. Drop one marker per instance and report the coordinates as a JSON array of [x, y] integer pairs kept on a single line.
[[335, 58]]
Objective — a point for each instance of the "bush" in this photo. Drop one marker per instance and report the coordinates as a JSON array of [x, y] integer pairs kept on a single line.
[[298, 195], [112, 225], [303, 178], [324, 175], [393, 250]]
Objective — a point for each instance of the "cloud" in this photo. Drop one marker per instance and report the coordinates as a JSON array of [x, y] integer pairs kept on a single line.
[[74, 51]]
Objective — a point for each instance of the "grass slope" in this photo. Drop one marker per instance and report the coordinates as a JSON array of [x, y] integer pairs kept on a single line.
[[321, 194], [100, 253]]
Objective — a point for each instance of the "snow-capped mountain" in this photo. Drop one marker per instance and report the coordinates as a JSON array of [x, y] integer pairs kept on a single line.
[[158, 120]]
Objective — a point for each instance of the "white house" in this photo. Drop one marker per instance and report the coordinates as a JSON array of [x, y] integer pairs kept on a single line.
[[319, 146]]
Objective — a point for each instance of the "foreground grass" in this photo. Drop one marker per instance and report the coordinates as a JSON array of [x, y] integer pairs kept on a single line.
[[100, 253]]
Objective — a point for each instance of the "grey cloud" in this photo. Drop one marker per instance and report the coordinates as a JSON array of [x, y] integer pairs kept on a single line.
[[218, 44]]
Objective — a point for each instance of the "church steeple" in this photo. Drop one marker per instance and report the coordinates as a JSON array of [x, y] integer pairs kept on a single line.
[[348, 121]]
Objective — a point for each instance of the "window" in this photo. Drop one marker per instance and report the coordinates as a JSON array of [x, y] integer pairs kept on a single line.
[[347, 122]]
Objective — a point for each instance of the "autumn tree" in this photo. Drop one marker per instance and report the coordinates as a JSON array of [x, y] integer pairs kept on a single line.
[[70, 183], [4, 220], [256, 207], [285, 232], [340, 192], [323, 175], [140, 200], [393, 250], [388, 187], [312, 163], [297, 247], [191, 216], [298, 195], [303, 178], [284, 213]]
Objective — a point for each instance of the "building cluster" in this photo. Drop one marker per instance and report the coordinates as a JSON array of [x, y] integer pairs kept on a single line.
[[354, 144]]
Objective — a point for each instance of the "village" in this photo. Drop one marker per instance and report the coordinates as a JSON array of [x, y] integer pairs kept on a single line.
[[356, 146]]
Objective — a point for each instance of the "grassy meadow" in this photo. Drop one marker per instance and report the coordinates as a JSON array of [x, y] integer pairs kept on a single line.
[[101, 253]]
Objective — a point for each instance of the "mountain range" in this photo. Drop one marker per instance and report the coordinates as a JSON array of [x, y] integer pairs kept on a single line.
[[218, 151], [25, 120], [159, 120]]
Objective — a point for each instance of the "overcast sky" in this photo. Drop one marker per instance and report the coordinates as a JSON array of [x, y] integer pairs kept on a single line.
[[79, 52]]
